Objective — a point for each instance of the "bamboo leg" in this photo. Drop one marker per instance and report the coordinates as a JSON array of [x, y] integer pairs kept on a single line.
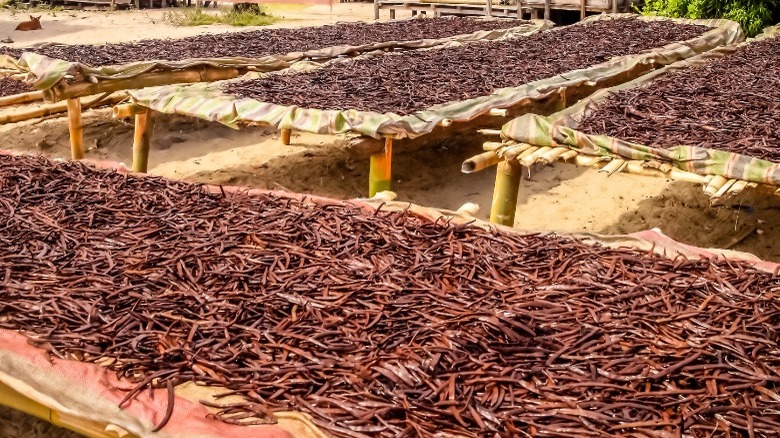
[[76, 129], [489, 8], [286, 136], [376, 9], [379, 174], [546, 9], [582, 9], [144, 124], [505, 194]]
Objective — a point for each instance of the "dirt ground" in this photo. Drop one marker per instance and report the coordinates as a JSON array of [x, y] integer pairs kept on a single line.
[[561, 198], [100, 26]]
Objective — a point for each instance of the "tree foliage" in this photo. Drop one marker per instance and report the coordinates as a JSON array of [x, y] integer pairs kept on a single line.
[[752, 15]]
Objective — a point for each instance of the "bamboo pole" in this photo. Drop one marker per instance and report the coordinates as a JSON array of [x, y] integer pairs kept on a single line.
[[126, 110], [480, 162], [582, 9], [502, 211], [210, 74], [379, 174], [286, 133], [17, 99], [56, 108], [547, 10], [488, 132], [142, 138], [519, 9], [76, 129], [489, 8], [492, 145]]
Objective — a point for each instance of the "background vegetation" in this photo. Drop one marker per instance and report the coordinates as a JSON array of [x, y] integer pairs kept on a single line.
[[752, 15]]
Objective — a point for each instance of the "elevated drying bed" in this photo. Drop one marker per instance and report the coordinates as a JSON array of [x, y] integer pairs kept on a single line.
[[706, 120], [373, 322], [66, 71], [70, 72], [411, 94]]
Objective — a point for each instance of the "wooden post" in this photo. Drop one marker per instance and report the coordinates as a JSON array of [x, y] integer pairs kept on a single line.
[[144, 124], [138, 4], [502, 211], [546, 9], [376, 9], [582, 9], [76, 129], [286, 136], [489, 8], [380, 174], [519, 9], [614, 6]]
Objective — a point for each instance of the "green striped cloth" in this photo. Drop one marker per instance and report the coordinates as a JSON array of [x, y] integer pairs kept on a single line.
[[44, 72], [560, 130], [208, 102]]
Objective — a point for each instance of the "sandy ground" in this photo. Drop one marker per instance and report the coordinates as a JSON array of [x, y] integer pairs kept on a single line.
[[561, 198], [96, 26]]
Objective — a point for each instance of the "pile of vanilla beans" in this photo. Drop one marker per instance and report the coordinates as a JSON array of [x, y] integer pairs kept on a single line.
[[10, 86], [727, 104], [380, 323], [411, 81], [264, 42]]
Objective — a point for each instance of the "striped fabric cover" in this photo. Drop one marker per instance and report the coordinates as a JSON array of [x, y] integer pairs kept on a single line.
[[560, 129]]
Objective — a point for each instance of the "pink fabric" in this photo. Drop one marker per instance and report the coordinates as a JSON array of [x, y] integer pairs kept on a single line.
[[660, 240], [188, 418]]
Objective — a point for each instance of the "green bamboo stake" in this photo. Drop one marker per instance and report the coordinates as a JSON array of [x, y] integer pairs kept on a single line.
[[379, 174], [502, 211]]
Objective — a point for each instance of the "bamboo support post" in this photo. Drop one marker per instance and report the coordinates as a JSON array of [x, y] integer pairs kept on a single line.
[[286, 133], [17, 99], [614, 6], [126, 110], [489, 8], [582, 9], [380, 172], [480, 162], [76, 129], [519, 9], [144, 124], [547, 10], [502, 211]]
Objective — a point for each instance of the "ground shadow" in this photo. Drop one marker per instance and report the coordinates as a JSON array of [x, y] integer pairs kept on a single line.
[[748, 222]]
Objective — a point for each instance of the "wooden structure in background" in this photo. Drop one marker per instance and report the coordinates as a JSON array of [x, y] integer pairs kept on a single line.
[[492, 8]]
